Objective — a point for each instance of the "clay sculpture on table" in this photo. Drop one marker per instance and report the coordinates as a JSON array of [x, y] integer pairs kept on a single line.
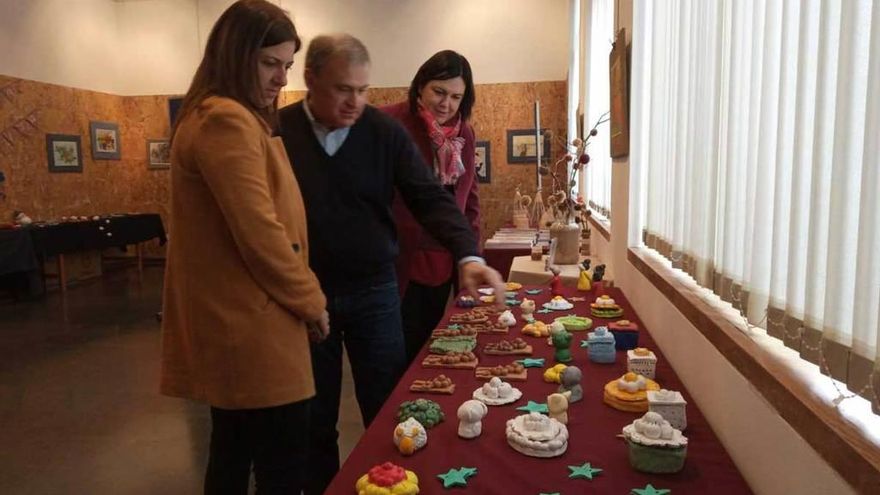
[[388, 479], [470, 416], [536, 435], [410, 436], [497, 393], [508, 347], [452, 332], [451, 360], [426, 412], [562, 343], [557, 406], [629, 392], [605, 307], [513, 371], [537, 329], [446, 345], [440, 384], [570, 379], [654, 445], [507, 319]]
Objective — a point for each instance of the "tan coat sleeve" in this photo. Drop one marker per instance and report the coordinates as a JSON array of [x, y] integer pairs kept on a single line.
[[231, 157]]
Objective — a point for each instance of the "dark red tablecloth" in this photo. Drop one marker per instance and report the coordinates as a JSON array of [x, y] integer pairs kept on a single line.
[[500, 256], [593, 429]]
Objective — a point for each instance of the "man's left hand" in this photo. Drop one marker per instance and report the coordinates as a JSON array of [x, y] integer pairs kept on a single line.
[[473, 274]]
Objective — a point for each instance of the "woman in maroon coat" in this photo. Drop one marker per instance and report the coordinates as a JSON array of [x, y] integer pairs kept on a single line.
[[441, 98]]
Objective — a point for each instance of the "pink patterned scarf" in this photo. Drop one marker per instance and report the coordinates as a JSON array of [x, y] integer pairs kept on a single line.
[[447, 145]]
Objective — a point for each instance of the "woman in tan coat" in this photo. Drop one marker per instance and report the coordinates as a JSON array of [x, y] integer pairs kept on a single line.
[[240, 301]]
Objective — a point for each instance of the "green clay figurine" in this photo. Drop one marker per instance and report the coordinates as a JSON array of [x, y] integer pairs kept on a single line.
[[561, 341]]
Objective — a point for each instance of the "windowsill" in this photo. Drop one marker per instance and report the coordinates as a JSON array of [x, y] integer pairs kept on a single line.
[[842, 444], [602, 226]]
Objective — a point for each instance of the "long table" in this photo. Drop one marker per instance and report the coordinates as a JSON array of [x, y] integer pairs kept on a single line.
[[593, 428]]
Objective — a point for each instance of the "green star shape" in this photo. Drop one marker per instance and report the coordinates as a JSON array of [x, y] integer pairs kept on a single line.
[[544, 311], [650, 490], [457, 477], [454, 326], [533, 406], [512, 302], [532, 292], [585, 343], [586, 471], [532, 362]]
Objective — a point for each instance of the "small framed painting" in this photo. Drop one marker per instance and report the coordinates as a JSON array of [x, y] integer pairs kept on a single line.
[[64, 153], [158, 154], [105, 140], [483, 162], [521, 146]]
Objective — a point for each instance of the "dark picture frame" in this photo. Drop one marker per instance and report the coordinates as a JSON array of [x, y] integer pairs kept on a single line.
[[483, 161], [619, 84], [158, 154], [174, 104], [105, 140], [521, 146], [64, 153]]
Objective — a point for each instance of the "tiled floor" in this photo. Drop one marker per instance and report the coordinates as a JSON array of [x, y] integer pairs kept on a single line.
[[79, 407]]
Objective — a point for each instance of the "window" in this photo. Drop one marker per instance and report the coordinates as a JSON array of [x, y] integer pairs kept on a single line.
[[756, 128], [599, 35]]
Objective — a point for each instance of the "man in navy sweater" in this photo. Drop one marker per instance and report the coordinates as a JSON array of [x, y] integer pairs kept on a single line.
[[349, 159]]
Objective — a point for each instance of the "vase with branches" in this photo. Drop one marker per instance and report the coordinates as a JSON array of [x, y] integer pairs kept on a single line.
[[568, 209]]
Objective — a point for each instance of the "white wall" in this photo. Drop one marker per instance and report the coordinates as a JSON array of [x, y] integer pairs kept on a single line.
[[154, 46], [67, 42]]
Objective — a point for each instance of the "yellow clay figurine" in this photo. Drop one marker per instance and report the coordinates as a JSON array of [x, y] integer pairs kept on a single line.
[[585, 283], [551, 375], [388, 479]]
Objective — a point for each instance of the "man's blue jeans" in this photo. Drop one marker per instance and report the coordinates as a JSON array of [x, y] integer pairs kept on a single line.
[[368, 322]]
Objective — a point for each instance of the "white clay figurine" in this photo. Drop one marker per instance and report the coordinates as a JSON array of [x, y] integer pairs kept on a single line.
[[470, 415]]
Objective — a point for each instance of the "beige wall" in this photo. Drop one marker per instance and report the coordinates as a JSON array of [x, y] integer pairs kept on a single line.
[[772, 456], [149, 47]]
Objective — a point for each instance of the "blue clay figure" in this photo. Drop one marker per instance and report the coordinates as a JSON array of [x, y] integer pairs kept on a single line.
[[600, 346]]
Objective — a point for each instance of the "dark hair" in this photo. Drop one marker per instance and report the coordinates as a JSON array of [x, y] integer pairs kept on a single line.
[[229, 66], [440, 67]]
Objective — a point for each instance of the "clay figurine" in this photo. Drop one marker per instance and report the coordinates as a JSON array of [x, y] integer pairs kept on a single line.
[[571, 382], [557, 404], [527, 307], [388, 478], [465, 302], [555, 282], [507, 319], [470, 415], [21, 218], [410, 436], [562, 342], [598, 273], [585, 283]]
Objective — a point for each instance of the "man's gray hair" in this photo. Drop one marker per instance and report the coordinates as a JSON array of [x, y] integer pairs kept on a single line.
[[326, 46]]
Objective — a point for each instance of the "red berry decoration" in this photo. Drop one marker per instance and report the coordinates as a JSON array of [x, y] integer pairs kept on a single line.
[[387, 474], [584, 159]]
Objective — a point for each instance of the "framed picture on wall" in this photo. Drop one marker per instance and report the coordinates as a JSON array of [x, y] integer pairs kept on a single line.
[[105, 140], [158, 154], [174, 104], [483, 162], [64, 153], [617, 64], [521, 146]]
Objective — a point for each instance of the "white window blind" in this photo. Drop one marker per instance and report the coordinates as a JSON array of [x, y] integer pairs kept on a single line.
[[596, 186], [755, 129]]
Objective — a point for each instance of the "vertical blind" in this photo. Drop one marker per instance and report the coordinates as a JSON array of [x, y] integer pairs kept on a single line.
[[597, 101], [756, 126]]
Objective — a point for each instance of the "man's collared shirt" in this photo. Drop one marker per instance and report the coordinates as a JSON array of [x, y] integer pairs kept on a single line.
[[331, 141]]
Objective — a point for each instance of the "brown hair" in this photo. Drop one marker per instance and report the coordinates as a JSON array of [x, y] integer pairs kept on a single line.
[[229, 66], [444, 65]]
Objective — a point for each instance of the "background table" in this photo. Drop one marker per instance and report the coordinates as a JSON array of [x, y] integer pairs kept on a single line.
[[25, 248], [593, 429]]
